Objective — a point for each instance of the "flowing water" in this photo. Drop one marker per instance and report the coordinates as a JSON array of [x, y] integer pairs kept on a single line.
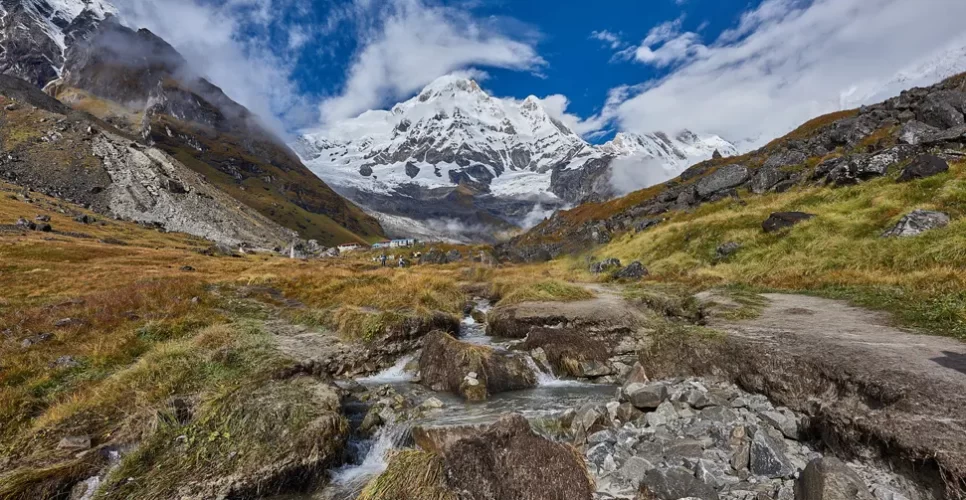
[[551, 397]]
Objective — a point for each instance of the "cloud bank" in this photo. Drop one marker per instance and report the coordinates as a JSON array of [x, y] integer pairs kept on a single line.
[[406, 44], [784, 62]]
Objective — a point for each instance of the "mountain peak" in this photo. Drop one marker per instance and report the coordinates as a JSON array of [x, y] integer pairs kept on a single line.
[[449, 85]]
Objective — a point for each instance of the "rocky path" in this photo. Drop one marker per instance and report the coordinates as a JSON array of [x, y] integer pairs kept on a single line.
[[863, 339], [869, 387]]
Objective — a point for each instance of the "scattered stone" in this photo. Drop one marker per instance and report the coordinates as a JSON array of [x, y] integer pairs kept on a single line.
[[44, 227], [65, 362], [645, 396], [637, 375], [674, 483], [829, 478], [36, 339], [75, 443], [724, 178], [454, 256], [922, 167], [768, 457], [187, 269], [913, 132], [85, 219], [42, 218], [26, 224], [766, 178], [605, 265], [727, 250], [783, 420], [918, 222], [781, 220], [634, 271]]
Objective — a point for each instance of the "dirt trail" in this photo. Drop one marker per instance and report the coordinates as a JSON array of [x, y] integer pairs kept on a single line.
[[859, 338], [868, 386]]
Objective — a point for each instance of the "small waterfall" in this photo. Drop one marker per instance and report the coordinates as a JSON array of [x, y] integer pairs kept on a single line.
[[395, 374], [350, 479], [548, 379]]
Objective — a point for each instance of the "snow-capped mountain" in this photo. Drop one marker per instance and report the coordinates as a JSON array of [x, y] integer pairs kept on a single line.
[[35, 34], [455, 153]]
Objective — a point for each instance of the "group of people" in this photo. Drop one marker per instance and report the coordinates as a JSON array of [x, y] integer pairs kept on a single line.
[[386, 259]]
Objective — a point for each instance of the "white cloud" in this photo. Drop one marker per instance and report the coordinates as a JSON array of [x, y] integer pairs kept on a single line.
[[785, 62], [227, 44], [556, 106], [610, 39], [408, 43]]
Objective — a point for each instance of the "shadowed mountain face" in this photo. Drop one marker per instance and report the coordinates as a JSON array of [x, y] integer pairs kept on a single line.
[[139, 83]]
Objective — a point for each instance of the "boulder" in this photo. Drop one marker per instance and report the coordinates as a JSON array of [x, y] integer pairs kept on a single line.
[[862, 167], [674, 483], [509, 460], [590, 418], [454, 256], [916, 223], [726, 250], [781, 220], [438, 440], [913, 132], [940, 114], [766, 178], [412, 170], [784, 158], [922, 167], [433, 256], [570, 352], [645, 397], [605, 266], [26, 224], [727, 177], [75, 443], [768, 456], [36, 339], [637, 375], [634, 271], [829, 478], [446, 364]]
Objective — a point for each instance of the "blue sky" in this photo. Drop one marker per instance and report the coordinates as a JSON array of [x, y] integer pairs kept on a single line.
[[745, 70]]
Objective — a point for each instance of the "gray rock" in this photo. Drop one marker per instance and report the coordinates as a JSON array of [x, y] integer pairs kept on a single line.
[[605, 265], [594, 369], [726, 177], [913, 132], [766, 178], [830, 479], [645, 396], [922, 167], [674, 483], [589, 418], [727, 250], [634, 469], [36, 339], [781, 220], [784, 158], [768, 457], [634, 271], [626, 412], [412, 170], [918, 222], [940, 114], [783, 420], [75, 443], [604, 436]]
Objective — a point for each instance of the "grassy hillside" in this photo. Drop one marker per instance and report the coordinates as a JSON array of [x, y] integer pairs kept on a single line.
[[840, 253]]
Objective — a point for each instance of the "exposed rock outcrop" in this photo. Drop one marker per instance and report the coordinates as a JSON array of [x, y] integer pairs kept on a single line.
[[918, 222], [472, 371]]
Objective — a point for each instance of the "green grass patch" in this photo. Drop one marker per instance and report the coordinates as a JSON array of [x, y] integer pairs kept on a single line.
[[546, 291]]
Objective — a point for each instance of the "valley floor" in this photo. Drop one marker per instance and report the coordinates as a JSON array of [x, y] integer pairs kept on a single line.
[[144, 364]]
